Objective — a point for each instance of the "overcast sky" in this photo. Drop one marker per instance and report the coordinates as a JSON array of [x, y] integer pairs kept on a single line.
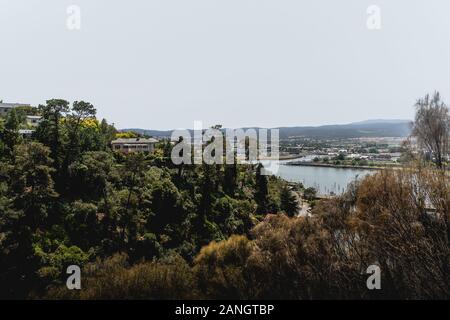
[[162, 64]]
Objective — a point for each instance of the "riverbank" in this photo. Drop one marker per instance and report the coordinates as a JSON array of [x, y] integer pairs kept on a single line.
[[331, 165], [284, 157]]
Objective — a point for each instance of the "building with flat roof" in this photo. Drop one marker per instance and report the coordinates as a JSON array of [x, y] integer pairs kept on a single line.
[[33, 121], [134, 145], [26, 132]]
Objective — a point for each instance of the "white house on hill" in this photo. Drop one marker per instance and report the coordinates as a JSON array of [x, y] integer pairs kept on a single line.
[[134, 145], [33, 121]]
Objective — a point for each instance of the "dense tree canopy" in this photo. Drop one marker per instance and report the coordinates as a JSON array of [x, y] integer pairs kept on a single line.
[[66, 198]]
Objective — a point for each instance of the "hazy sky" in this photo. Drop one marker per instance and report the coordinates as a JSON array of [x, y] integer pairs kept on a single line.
[[162, 64]]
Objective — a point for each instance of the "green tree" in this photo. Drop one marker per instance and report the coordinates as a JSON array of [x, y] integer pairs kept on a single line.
[[49, 131], [80, 112], [135, 198], [32, 184], [207, 190], [108, 133], [288, 201], [30, 196], [262, 191], [10, 133], [310, 193], [230, 177]]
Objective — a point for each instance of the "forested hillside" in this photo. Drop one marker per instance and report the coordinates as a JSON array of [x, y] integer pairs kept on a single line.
[[66, 198]]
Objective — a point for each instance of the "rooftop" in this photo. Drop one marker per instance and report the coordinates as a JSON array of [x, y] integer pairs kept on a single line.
[[26, 131]]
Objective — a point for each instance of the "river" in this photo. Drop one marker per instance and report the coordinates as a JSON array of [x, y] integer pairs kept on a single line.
[[326, 180]]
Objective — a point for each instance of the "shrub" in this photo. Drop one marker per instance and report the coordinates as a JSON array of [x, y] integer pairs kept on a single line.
[[113, 278]]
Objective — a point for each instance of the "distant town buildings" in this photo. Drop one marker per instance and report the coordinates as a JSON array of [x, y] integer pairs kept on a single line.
[[6, 107], [31, 121], [131, 145]]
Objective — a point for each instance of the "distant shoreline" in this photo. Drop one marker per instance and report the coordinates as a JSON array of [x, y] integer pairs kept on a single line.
[[330, 165], [290, 157]]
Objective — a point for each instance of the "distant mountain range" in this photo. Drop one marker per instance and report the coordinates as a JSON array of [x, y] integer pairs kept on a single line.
[[367, 128]]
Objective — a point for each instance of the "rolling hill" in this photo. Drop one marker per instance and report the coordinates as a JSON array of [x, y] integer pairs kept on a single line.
[[368, 128]]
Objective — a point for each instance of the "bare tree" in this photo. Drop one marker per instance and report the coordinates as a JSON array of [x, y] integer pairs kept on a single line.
[[432, 127]]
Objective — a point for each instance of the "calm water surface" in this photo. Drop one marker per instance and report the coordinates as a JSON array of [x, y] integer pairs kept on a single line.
[[326, 180]]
